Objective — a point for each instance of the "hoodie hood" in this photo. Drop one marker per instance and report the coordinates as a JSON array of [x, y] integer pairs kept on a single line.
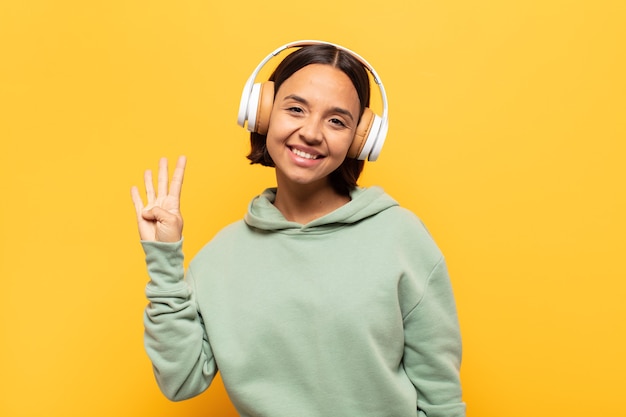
[[365, 202]]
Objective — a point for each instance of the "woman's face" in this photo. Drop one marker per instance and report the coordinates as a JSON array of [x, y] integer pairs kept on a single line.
[[312, 124]]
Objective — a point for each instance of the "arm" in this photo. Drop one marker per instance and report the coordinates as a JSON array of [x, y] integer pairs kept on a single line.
[[175, 338], [432, 354]]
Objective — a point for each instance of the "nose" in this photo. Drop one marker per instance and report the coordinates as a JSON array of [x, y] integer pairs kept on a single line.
[[311, 130]]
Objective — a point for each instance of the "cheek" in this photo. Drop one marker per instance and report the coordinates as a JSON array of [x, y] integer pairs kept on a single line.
[[270, 142], [272, 134], [278, 126], [275, 138], [343, 143]]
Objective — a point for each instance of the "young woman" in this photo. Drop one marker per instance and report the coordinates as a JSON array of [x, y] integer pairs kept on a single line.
[[327, 299]]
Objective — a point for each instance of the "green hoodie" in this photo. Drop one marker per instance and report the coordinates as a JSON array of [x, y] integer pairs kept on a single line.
[[351, 314]]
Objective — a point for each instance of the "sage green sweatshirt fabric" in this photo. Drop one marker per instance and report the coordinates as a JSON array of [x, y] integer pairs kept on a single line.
[[349, 315]]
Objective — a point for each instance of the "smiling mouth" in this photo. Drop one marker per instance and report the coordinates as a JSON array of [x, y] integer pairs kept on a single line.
[[304, 155]]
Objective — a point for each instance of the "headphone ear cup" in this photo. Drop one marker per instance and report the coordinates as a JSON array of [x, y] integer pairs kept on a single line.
[[362, 135], [264, 109], [259, 107]]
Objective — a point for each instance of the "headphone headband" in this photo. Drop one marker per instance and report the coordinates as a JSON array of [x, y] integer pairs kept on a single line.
[[372, 146]]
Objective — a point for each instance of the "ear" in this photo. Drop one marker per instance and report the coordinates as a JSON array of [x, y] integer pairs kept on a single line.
[[362, 133]]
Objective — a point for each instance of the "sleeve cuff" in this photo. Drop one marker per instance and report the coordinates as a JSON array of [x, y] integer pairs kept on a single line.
[[165, 263]]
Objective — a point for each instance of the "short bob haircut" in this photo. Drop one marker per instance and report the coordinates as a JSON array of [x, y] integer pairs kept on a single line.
[[343, 179]]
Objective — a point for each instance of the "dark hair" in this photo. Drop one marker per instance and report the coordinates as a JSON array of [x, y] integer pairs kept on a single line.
[[344, 178]]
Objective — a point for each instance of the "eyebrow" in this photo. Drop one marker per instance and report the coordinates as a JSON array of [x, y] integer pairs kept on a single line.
[[302, 100]]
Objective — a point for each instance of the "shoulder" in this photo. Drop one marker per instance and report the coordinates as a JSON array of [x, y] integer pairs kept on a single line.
[[399, 218], [224, 240], [404, 231], [408, 226]]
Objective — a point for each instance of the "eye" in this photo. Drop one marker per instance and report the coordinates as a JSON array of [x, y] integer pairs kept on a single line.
[[294, 109], [337, 122]]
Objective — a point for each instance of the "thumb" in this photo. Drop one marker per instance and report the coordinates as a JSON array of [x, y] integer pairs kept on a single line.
[[149, 214], [158, 214], [168, 225]]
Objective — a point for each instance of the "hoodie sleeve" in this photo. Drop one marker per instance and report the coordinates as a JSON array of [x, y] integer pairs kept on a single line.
[[175, 337], [432, 353]]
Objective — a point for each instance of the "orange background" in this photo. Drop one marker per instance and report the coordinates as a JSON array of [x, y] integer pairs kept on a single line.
[[507, 136]]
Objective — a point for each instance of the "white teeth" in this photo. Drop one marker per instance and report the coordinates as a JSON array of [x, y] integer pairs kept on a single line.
[[303, 154]]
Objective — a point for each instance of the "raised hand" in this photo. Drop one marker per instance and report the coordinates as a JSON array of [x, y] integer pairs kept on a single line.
[[160, 220]]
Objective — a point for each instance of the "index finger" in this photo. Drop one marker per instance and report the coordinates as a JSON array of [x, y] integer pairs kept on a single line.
[[177, 177]]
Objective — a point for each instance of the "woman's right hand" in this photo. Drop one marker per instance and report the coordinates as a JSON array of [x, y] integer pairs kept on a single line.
[[160, 220]]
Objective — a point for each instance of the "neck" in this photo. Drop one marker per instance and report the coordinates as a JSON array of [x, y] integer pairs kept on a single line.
[[305, 203]]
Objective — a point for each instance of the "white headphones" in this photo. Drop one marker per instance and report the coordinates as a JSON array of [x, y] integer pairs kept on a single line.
[[257, 100]]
